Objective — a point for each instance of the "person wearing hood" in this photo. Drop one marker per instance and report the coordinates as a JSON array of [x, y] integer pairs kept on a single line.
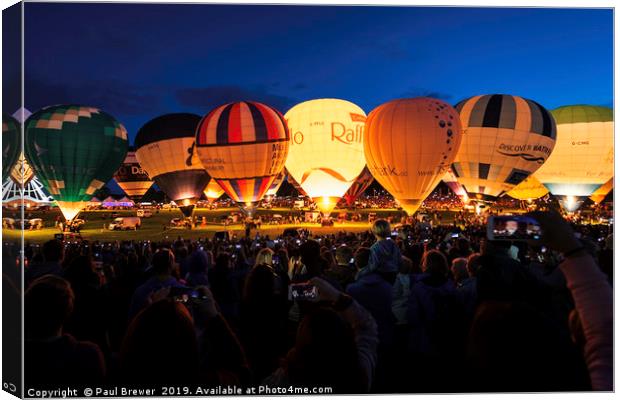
[[199, 263], [385, 256]]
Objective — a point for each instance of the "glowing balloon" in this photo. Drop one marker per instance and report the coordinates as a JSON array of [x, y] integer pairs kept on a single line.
[[22, 173], [529, 189], [213, 191], [74, 150], [275, 185], [134, 181], [295, 184], [362, 182], [10, 144], [165, 150], [327, 150], [243, 146], [505, 139], [599, 194], [583, 158], [458, 189], [409, 145]]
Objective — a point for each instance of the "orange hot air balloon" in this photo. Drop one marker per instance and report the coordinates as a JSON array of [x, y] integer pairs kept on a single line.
[[213, 191], [243, 146], [409, 145]]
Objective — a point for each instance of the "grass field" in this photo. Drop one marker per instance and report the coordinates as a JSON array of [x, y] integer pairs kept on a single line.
[[153, 228]]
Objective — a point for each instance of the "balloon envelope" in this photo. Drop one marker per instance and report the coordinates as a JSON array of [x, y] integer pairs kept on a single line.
[[362, 182], [130, 176], [74, 150], [275, 185], [409, 145], [599, 194], [213, 191], [450, 180], [165, 150], [327, 150], [529, 189], [11, 133], [583, 158], [243, 146], [505, 139], [295, 184]]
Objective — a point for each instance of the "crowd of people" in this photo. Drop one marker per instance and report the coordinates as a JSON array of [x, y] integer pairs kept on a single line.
[[420, 309]]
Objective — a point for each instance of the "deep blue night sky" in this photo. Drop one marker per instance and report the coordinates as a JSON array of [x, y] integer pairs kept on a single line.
[[137, 61]]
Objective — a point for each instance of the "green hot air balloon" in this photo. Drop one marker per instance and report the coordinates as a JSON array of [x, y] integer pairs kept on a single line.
[[74, 150], [10, 144]]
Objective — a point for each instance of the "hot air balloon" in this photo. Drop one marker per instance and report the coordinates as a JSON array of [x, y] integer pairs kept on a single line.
[[362, 182], [74, 150], [132, 178], [213, 191], [327, 151], [22, 173], [409, 145], [11, 133], [275, 185], [599, 194], [450, 180], [529, 189], [243, 146], [295, 184], [583, 158], [505, 139], [165, 150]]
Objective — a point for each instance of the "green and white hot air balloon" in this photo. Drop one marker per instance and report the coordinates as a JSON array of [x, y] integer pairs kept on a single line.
[[74, 150]]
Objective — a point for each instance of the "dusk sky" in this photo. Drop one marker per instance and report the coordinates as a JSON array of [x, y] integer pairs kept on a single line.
[[138, 61]]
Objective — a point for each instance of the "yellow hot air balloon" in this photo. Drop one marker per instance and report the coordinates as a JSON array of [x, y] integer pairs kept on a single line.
[[583, 158], [529, 189], [213, 191], [505, 139], [243, 146], [327, 151], [602, 192], [409, 146]]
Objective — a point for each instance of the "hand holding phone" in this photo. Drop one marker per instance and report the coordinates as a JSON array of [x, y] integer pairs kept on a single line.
[[303, 292], [513, 227]]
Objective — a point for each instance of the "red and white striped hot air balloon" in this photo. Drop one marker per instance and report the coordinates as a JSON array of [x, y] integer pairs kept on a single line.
[[243, 146]]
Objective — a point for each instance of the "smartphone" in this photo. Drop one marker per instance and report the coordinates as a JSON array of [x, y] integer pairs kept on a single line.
[[184, 294], [238, 246], [513, 227], [303, 292], [275, 260], [455, 235], [352, 260]]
